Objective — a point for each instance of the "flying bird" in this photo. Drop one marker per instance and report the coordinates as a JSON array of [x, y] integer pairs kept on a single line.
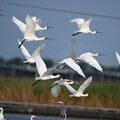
[[29, 34], [88, 57], [56, 86], [30, 58], [44, 73], [1, 114], [33, 116], [79, 92], [83, 26], [22, 25], [118, 56], [72, 64], [63, 110]]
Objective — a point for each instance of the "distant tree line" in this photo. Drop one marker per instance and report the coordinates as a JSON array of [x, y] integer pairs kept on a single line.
[[19, 62], [50, 63]]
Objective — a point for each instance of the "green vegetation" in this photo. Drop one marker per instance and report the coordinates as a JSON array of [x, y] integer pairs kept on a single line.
[[101, 94]]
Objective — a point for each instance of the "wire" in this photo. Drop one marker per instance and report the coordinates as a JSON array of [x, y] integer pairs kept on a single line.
[[58, 10]]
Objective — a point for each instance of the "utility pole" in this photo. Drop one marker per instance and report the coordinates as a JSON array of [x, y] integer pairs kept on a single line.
[[73, 56], [73, 52]]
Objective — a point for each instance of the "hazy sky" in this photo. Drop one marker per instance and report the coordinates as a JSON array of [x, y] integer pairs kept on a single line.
[[106, 19]]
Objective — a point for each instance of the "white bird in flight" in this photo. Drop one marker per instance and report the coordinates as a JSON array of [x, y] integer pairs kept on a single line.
[[56, 86], [30, 58], [29, 34], [22, 25], [79, 92], [118, 56], [88, 58], [33, 116], [63, 110], [71, 63], [83, 26], [1, 114], [44, 73]]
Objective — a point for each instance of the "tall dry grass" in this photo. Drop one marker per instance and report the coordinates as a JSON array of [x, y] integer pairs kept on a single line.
[[101, 94]]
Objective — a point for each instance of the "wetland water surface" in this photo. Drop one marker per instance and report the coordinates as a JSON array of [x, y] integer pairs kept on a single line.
[[41, 117]]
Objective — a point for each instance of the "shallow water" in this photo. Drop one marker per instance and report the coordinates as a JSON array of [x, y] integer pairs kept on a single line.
[[27, 117]]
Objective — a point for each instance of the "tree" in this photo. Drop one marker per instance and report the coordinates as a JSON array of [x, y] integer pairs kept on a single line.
[[2, 61], [49, 63], [15, 61]]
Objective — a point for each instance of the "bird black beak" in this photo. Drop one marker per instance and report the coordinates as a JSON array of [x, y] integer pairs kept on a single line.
[[101, 54], [48, 38], [98, 32], [54, 85], [49, 27], [90, 95]]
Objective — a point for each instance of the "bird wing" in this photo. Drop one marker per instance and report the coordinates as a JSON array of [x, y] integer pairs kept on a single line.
[[79, 22], [21, 25], [30, 26], [71, 89], [38, 50], [24, 51], [86, 25], [92, 61], [41, 66], [71, 63], [34, 18], [85, 84], [37, 22], [118, 56], [50, 71], [55, 90]]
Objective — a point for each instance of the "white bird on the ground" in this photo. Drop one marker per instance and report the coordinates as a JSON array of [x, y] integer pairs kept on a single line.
[[33, 116], [44, 73], [71, 63], [1, 114], [56, 86], [83, 26], [22, 25], [79, 92], [118, 56], [29, 34], [88, 58], [30, 58], [63, 110]]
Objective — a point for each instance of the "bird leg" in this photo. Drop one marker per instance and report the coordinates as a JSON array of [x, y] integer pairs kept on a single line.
[[61, 117], [76, 33], [70, 98], [35, 82], [77, 60], [26, 66], [21, 43], [65, 116]]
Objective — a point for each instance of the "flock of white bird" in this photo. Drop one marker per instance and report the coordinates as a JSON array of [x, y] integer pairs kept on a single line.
[[28, 30]]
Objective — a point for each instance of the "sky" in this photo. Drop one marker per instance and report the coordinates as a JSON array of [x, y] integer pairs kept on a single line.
[[57, 13]]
